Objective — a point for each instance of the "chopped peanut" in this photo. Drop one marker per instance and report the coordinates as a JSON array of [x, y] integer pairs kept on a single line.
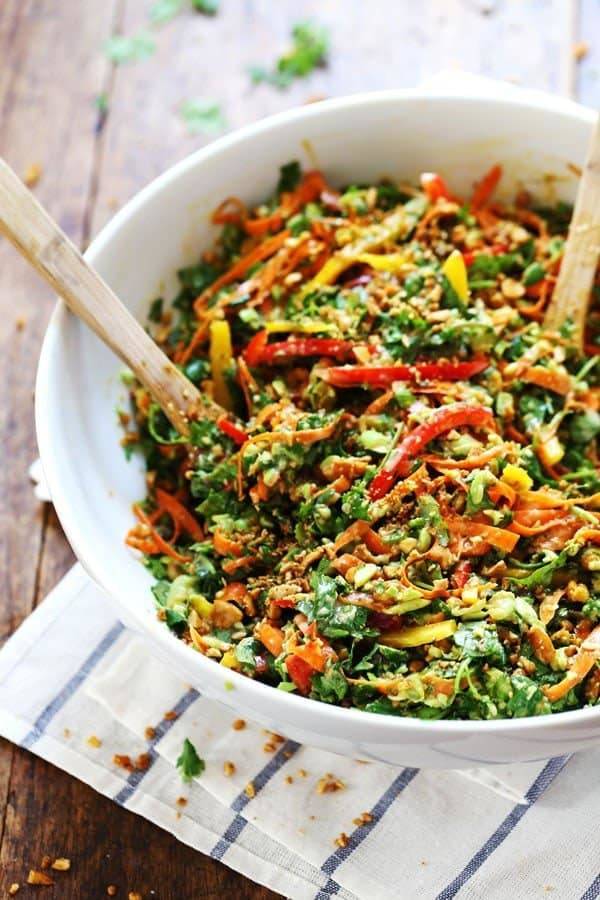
[[62, 864], [36, 877], [329, 784]]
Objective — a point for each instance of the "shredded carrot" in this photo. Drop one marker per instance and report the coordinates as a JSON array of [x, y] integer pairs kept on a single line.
[[486, 187], [470, 462], [542, 645], [271, 637], [313, 654], [231, 566], [259, 227], [230, 211], [557, 382], [500, 490], [500, 538], [514, 434], [310, 188], [162, 546], [542, 499], [585, 660], [362, 531], [238, 269], [179, 514], [224, 546]]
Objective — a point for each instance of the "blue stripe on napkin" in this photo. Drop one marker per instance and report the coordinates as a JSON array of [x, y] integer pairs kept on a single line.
[[60, 699], [544, 779], [357, 837], [285, 752], [161, 729], [593, 892]]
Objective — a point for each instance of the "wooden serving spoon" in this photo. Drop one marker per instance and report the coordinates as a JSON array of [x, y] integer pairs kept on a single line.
[[573, 288], [40, 240]]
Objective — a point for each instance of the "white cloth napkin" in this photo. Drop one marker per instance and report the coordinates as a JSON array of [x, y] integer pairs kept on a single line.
[[72, 673]]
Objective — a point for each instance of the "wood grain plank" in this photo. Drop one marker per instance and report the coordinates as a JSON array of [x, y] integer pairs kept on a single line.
[[39, 123], [106, 845]]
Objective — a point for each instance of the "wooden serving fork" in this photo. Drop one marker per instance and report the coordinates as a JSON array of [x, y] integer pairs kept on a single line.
[[573, 288], [40, 240]]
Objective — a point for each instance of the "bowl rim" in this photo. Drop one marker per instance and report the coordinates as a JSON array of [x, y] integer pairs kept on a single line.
[[309, 714]]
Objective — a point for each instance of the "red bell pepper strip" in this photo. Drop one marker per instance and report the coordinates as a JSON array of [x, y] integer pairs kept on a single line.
[[300, 672], [383, 376], [258, 352], [253, 351], [443, 419], [233, 431], [461, 574], [435, 187], [284, 350]]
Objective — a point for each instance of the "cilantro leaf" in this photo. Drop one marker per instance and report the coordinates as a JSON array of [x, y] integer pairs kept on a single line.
[[208, 7], [479, 641], [101, 103], [334, 619], [189, 763], [122, 49], [164, 10], [527, 698], [331, 686], [542, 576], [203, 116], [310, 46]]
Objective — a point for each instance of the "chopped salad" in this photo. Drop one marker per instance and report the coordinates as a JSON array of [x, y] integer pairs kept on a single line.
[[399, 508]]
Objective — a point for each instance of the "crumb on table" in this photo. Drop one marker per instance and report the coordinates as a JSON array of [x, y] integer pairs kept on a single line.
[[37, 877], [61, 864]]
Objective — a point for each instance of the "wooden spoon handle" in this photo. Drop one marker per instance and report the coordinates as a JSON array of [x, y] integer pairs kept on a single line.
[[573, 288], [47, 248]]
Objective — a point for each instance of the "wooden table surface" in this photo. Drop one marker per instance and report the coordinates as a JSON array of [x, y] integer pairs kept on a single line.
[[52, 67]]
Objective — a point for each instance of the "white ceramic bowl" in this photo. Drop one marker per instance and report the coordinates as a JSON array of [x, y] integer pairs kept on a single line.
[[397, 134]]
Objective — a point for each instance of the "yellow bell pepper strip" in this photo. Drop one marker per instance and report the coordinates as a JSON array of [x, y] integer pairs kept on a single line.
[[396, 226], [383, 262], [455, 271], [443, 419], [517, 477], [221, 357], [417, 635], [285, 326]]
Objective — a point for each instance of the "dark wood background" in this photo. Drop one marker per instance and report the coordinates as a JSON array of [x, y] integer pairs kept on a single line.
[[52, 67]]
